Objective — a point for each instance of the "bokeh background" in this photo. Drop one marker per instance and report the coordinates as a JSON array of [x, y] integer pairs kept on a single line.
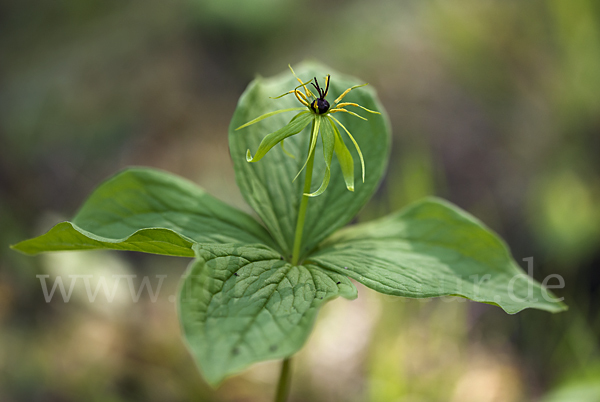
[[495, 105]]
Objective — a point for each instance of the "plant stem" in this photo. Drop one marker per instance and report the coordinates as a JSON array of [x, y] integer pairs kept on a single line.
[[283, 387], [303, 203]]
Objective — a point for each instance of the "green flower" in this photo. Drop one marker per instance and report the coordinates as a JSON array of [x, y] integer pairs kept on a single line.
[[320, 113]]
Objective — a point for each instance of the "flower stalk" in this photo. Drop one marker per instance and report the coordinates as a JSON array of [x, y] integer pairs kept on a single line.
[[285, 380], [285, 377], [320, 113], [305, 197]]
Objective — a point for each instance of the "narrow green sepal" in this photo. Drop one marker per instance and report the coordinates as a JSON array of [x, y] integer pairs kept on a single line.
[[297, 124], [285, 151], [362, 161], [313, 142], [328, 139], [344, 157]]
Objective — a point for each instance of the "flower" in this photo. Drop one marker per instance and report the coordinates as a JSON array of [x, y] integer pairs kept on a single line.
[[320, 113]]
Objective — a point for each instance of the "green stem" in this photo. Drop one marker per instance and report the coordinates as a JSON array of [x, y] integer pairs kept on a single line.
[[304, 202], [283, 387], [285, 378]]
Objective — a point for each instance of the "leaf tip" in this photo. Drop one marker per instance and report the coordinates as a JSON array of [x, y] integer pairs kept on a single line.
[[22, 248]]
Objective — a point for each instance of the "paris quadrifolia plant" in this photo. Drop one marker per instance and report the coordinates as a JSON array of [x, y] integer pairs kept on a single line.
[[254, 288]]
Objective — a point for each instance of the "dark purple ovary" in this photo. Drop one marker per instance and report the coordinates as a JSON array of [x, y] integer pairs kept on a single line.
[[320, 106]]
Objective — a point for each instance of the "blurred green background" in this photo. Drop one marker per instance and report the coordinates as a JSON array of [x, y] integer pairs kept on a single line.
[[495, 105]]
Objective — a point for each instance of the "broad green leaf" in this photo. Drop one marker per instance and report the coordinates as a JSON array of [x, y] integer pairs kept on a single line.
[[68, 236], [242, 304], [267, 185], [297, 124], [152, 211], [431, 249]]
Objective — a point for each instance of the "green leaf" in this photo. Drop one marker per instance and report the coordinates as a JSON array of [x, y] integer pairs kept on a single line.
[[242, 304], [431, 249], [297, 124], [151, 211], [68, 236], [268, 186]]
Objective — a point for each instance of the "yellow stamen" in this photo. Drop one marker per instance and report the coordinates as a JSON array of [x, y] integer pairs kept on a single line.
[[290, 92], [357, 105], [346, 92], [302, 84], [299, 96], [347, 111]]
